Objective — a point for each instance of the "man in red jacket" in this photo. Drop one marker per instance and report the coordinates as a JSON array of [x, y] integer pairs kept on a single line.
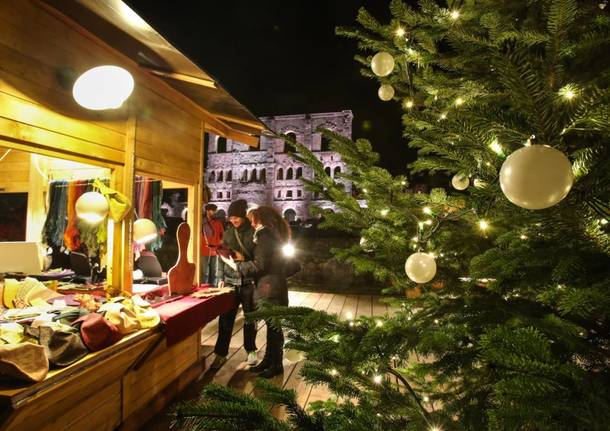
[[211, 238]]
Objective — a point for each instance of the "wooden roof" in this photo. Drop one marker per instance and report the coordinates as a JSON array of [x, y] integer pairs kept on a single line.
[[120, 27]]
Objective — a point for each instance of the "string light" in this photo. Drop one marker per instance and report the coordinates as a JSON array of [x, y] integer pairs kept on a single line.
[[443, 116], [378, 379], [415, 239], [400, 32], [568, 92], [454, 14], [427, 210], [403, 183], [524, 237], [603, 222], [426, 399], [435, 428], [496, 147], [408, 104], [384, 212], [459, 101], [421, 224], [483, 225], [349, 315], [428, 222], [333, 372], [378, 323]]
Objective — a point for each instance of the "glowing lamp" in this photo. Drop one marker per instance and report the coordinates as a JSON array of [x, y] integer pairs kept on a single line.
[[288, 250], [103, 87], [92, 207], [144, 230]]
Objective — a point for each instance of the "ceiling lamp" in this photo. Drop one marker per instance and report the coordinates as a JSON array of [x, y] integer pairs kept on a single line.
[[92, 207], [103, 87], [144, 230]]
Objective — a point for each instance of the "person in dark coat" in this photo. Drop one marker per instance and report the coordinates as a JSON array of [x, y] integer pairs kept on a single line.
[[238, 241], [268, 266]]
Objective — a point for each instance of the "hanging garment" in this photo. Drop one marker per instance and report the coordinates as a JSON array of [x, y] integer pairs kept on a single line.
[[72, 234], [55, 224], [157, 215], [118, 204]]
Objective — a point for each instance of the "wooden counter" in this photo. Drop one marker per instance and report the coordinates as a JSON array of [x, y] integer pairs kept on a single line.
[[106, 390]]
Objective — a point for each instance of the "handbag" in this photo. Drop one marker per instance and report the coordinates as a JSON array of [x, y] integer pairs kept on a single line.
[[97, 332]]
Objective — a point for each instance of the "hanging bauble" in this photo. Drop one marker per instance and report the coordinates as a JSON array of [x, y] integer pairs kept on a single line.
[[420, 267], [479, 184], [366, 245], [460, 182], [92, 207], [413, 293], [382, 63], [144, 230], [294, 355], [386, 92], [536, 177]]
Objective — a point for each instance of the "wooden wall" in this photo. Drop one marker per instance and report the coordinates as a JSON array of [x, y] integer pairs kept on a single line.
[[14, 171], [158, 132]]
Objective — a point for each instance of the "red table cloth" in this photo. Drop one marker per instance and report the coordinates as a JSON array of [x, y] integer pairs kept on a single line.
[[186, 315]]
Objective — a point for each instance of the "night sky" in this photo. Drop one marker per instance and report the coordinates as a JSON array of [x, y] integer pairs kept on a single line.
[[281, 57]]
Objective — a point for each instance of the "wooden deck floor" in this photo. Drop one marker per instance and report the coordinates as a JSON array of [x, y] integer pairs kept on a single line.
[[234, 372]]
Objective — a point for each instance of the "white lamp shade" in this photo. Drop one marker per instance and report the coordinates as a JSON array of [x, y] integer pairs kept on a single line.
[[92, 207], [144, 230], [103, 87]]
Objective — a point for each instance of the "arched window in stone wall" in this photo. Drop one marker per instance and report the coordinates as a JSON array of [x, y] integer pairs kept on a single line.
[[212, 177], [221, 145], [244, 176], [337, 171], [229, 176], [221, 176], [253, 176], [299, 173], [327, 170], [289, 173], [263, 176], [280, 174], [324, 144], [287, 145]]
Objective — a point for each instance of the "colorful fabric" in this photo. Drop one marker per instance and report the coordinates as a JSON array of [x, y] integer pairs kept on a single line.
[[72, 234], [55, 224]]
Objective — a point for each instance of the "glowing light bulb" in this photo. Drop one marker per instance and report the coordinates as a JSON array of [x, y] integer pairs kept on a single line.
[[377, 379], [349, 315], [603, 222], [426, 398], [400, 32], [103, 87], [459, 101], [427, 210], [435, 428], [443, 116], [496, 147], [378, 323], [415, 239], [333, 372], [384, 212], [483, 225], [421, 224], [523, 237], [288, 250], [408, 104], [429, 222], [568, 92], [454, 14]]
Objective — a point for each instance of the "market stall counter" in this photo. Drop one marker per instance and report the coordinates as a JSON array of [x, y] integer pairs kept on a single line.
[[126, 383]]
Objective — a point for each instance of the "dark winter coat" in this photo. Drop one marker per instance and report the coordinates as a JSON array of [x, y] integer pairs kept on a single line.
[[268, 267], [223, 271]]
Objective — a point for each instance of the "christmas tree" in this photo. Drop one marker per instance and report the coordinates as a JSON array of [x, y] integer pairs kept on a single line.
[[504, 316]]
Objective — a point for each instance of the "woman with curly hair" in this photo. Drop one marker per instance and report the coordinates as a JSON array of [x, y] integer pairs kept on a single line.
[[268, 267]]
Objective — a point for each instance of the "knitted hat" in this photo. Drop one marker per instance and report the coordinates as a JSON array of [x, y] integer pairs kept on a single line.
[[210, 207], [238, 208]]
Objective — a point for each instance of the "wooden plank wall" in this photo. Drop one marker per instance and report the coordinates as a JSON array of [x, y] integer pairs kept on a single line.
[[15, 171]]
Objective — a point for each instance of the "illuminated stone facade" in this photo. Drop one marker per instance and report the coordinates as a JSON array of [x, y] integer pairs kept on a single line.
[[268, 175]]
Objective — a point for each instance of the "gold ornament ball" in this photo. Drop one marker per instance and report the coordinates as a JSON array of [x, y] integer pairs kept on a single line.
[[386, 92], [420, 267], [460, 181], [536, 177], [382, 63]]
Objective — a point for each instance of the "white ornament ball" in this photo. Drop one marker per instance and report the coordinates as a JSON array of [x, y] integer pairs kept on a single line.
[[382, 63], [536, 177], [420, 267], [92, 207], [294, 355], [460, 181], [386, 92]]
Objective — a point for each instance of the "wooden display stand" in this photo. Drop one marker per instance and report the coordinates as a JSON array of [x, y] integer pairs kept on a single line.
[[121, 386]]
